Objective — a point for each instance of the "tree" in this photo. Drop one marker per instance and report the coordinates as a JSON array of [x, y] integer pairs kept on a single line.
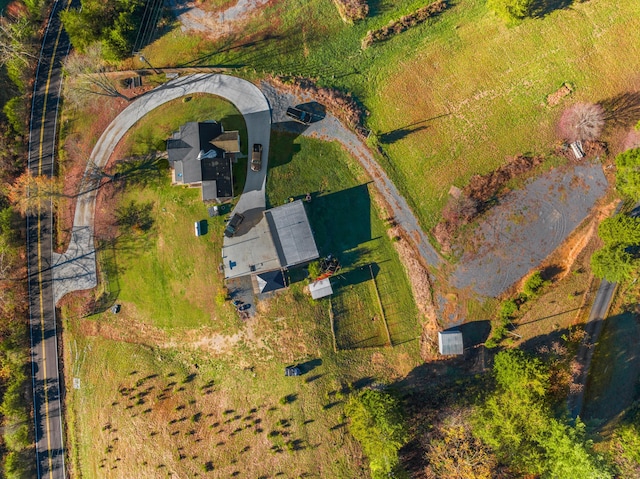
[[582, 121], [136, 217], [113, 24], [533, 284], [620, 228], [88, 77], [517, 423], [16, 41], [457, 454], [513, 9], [378, 424], [613, 263], [32, 194], [628, 174]]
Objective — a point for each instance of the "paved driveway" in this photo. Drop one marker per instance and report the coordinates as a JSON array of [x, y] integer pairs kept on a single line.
[[75, 270]]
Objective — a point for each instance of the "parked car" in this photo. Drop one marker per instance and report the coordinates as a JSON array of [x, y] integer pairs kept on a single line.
[[299, 115], [292, 371], [256, 157], [232, 226]]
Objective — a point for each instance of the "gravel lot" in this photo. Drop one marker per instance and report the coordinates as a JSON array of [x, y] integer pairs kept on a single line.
[[527, 226]]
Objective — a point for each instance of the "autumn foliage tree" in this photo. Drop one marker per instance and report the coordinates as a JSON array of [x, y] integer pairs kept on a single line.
[[32, 194], [457, 453]]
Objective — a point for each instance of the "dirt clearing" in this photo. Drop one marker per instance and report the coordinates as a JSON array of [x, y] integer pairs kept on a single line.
[[528, 226]]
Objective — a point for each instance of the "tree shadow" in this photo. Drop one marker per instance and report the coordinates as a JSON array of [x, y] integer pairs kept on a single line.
[[341, 220], [309, 366], [542, 8], [551, 272], [282, 149], [317, 110], [622, 110]]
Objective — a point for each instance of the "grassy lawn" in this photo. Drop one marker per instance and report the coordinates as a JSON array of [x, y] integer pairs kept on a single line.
[[178, 371], [346, 224], [452, 97]]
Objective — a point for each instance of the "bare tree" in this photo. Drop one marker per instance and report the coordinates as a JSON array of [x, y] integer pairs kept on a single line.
[[88, 77], [15, 40], [582, 121]]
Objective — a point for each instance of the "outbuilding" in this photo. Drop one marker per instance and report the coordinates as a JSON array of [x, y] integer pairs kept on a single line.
[[450, 343]]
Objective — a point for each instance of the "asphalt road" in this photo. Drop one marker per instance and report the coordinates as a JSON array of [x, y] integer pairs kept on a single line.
[[593, 327], [47, 384]]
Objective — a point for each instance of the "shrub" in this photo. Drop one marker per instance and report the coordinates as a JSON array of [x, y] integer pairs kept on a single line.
[[404, 23], [533, 284], [16, 114], [513, 9], [352, 10]]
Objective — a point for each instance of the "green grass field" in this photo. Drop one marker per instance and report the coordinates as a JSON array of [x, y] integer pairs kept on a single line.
[[176, 384], [346, 224], [452, 97]]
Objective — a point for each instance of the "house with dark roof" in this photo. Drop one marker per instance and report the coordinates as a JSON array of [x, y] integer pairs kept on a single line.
[[201, 155]]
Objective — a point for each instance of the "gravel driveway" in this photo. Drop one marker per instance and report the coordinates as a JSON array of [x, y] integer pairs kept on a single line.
[[331, 129]]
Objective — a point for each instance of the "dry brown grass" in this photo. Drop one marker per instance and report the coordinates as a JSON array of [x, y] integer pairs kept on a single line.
[[352, 10]]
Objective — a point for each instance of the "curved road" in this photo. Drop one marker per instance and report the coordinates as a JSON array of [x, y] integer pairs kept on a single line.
[[76, 269], [44, 348]]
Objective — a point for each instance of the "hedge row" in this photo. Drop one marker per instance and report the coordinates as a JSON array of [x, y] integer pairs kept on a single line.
[[404, 23]]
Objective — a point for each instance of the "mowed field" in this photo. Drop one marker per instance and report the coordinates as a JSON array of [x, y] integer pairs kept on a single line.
[[452, 97], [176, 384]]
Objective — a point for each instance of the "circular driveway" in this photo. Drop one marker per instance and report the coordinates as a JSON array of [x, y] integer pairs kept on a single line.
[[76, 269], [246, 97]]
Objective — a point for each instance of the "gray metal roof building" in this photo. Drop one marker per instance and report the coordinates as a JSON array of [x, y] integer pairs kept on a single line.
[[292, 234], [450, 343], [197, 157]]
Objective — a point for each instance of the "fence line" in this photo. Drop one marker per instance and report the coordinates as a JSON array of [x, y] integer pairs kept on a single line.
[[384, 319]]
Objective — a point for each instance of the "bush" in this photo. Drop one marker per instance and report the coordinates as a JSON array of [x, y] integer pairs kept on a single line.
[[507, 309], [533, 284], [513, 9], [404, 23], [352, 10], [16, 114], [314, 270]]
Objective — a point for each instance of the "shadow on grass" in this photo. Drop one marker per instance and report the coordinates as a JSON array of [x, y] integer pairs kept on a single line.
[[282, 149], [341, 221], [309, 366], [542, 8], [622, 110]]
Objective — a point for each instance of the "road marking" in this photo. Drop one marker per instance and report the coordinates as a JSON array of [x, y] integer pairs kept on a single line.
[[40, 297]]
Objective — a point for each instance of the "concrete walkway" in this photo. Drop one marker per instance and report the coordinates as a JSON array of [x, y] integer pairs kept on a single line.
[[76, 269]]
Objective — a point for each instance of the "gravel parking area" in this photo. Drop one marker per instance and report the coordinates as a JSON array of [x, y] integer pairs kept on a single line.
[[527, 226]]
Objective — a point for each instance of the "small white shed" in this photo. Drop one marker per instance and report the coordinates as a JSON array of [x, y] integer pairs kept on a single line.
[[320, 289], [450, 343]]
